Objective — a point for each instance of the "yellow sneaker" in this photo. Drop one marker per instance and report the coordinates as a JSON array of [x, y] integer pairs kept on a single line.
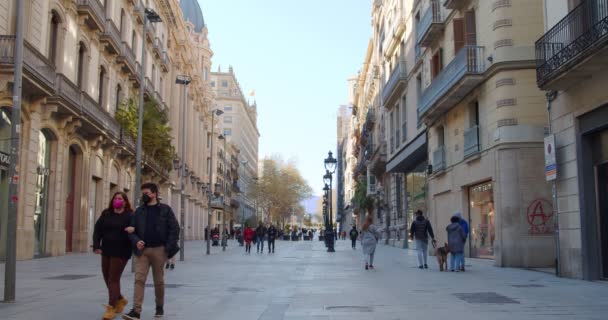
[[109, 314], [121, 304]]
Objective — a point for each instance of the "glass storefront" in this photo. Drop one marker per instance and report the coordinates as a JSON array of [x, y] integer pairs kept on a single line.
[[415, 193], [42, 192], [482, 221]]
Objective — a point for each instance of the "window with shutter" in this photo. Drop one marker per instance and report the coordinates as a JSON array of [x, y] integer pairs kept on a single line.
[[458, 34], [470, 28]]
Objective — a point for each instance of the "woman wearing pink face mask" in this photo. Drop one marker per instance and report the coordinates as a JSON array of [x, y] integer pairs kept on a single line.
[[111, 241]]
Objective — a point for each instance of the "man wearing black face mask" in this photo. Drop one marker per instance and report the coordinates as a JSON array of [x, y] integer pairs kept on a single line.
[[155, 240]]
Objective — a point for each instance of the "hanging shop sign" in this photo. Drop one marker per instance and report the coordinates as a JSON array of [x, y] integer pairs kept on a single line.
[[5, 159], [550, 161]]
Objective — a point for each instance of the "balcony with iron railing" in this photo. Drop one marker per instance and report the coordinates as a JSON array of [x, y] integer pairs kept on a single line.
[[157, 47], [370, 118], [111, 38], [456, 4], [165, 63], [127, 57], [431, 25], [94, 12], [471, 141], [140, 11], [462, 74], [38, 70], [439, 159], [574, 47], [396, 84]]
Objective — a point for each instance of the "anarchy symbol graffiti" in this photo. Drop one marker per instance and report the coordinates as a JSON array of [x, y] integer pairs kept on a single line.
[[540, 213]]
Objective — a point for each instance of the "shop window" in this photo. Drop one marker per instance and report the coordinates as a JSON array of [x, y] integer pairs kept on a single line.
[[482, 221]]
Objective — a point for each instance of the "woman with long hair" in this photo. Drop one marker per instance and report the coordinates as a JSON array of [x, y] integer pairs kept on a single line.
[[369, 239], [111, 241]]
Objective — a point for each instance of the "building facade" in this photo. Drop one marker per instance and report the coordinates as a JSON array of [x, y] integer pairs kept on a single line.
[[81, 62], [239, 123], [447, 117], [571, 57]]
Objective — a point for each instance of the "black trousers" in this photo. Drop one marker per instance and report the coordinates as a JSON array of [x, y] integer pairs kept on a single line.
[[270, 242], [354, 241]]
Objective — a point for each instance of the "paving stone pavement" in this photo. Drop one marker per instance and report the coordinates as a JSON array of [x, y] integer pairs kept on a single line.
[[302, 281]]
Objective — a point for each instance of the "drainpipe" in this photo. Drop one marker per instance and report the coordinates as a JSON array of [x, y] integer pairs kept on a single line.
[[551, 95]]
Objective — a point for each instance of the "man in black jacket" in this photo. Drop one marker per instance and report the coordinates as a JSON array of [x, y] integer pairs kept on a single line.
[[260, 234], [272, 235], [154, 238], [421, 230]]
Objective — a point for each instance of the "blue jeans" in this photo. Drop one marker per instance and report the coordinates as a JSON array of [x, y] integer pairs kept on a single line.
[[260, 243], [455, 260]]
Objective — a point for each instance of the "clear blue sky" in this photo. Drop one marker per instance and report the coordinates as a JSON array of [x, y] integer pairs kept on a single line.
[[297, 56]]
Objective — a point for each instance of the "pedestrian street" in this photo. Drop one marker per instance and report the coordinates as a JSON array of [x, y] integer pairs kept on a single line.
[[302, 281]]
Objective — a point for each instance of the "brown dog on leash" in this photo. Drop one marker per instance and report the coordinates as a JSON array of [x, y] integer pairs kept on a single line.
[[442, 257]]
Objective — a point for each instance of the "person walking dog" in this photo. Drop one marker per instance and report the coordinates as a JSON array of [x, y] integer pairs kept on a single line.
[[456, 239], [155, 240], [421, 230]]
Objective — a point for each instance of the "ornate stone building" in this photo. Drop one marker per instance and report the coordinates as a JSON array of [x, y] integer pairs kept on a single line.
[[81, 62]]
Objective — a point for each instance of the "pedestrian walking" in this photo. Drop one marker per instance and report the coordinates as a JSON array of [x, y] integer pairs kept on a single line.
[[155, 240], [369, 239], [111, 241], [354, 234], [465, 227], [248, 236], [420, 231], [456, 239], [311, 235], [260, 234], [272, 235]]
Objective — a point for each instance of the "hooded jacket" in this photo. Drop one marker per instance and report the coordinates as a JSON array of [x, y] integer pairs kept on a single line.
[[456, 237], [463, 223]]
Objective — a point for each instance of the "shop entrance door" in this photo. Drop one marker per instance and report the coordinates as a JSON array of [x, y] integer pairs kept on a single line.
[[602, 212]]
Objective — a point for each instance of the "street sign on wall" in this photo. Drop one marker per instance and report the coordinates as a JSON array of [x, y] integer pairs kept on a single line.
[[550, 160]]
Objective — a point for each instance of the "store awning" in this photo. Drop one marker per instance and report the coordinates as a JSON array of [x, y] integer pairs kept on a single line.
[[410, 156]]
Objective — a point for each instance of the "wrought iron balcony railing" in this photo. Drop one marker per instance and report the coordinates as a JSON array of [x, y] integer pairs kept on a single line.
[[577, 36], [94, 11], [395, 81], [430, 25], [439, 159], [34, 63], [471, 141], [111, 36], [454, 82]]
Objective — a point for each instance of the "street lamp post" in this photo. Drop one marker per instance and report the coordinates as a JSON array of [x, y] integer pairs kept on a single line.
[[184, 81], [330, 167], [150, 16], [10, 274], [209, 191], [326, 215], [222, 137]]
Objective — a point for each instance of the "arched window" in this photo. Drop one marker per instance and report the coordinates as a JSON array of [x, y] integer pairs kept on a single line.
[[54, 36], [118, 98], [122, 24], [82, 51], [102, 85], [133, 41]]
